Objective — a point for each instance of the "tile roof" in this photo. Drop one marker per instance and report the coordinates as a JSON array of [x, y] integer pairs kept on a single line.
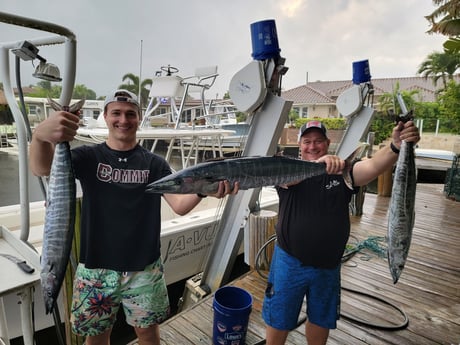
[[307, 94], [327, 91]]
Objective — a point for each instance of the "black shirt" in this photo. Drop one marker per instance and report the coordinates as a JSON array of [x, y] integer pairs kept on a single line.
[[120, 223], [314, 222]]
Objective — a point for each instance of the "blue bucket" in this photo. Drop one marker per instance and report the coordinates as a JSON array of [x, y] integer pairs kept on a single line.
[[361, 72], [232, 306], [264, 40]]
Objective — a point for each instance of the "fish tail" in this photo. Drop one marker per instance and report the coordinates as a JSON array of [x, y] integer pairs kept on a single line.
[[349, 164]]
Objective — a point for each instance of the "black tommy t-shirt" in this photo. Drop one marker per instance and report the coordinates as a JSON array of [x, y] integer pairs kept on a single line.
[[314, 221], [120, 222]]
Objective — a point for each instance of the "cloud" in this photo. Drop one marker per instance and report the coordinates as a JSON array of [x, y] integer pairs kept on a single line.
[[318, 38]]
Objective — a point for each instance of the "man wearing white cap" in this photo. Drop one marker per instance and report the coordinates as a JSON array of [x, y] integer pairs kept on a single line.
[[120, 262]]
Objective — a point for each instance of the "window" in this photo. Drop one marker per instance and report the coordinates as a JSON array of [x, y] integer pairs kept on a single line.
[[304, 112], [34, 109]]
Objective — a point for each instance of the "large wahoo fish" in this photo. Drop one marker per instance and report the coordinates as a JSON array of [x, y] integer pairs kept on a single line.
[[59, 218], [401, 214], [250, 172]]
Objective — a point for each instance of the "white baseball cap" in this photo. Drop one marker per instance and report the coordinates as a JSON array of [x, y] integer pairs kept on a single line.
[[121, 95]]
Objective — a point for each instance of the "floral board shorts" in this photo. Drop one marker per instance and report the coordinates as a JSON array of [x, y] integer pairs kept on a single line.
[[98, 294]]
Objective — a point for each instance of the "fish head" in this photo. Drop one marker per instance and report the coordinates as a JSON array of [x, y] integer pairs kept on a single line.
[[397, 262], [50, 288]]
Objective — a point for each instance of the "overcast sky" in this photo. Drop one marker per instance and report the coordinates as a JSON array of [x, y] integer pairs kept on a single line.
[[319, 39]]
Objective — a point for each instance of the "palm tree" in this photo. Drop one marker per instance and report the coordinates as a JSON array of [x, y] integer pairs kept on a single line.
[[133, 86], [440, 66], [388, 101], [445, 20]]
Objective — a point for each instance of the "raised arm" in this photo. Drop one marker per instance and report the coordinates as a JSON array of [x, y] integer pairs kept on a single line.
[[367, 170]]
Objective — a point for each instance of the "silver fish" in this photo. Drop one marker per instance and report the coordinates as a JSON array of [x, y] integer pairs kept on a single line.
[[250, 172], [401, 213], [59, 218]]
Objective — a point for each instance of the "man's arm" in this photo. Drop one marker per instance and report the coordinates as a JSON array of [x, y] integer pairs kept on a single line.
[[367, 170], [184, 203]]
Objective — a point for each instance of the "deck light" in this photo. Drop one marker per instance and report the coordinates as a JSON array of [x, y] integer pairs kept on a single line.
[[47, 71], [29, 52]]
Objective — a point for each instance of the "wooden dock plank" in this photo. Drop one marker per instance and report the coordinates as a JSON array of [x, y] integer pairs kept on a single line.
[[428, 290]]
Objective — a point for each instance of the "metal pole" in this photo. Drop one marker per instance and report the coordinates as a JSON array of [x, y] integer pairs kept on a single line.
[[140, 77], [22, 144]]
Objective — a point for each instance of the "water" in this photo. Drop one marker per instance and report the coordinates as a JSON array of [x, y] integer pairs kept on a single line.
[[9, 181]]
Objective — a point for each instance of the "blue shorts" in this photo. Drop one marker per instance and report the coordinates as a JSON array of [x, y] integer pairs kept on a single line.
[[98, 294], [289, 282]]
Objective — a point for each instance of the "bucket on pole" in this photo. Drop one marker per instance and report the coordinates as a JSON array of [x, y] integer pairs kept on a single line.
[[264, 40], [361, 72], [232, 306]]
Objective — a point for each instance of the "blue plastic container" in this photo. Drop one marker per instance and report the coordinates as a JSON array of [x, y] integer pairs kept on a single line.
[[361, 72], [232, 307], [264, 40]]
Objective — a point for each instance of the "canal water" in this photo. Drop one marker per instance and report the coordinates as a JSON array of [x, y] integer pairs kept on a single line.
[[9, 181]]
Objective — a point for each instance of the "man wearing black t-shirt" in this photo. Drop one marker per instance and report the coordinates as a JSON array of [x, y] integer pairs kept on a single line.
[[120, 262], [312, 231]]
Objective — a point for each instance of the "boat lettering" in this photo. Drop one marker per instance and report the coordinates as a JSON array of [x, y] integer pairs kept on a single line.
[[197, 241]]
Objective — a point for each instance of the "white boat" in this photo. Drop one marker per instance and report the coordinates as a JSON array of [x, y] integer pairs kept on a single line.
[[195, 126], [435, 154]]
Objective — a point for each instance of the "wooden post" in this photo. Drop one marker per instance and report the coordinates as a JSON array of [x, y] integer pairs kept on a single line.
[[261, 228], [385, 180], [385, 183], [357, 202]]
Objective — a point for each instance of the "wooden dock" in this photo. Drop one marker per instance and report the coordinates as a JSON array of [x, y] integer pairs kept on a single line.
[[428, 291]]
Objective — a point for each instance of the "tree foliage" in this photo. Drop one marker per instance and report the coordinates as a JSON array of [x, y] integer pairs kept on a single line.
[[389, 102], [81, 91], [440, 66], [45, 89], [445, 20], [449, 102], [131, 83]]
